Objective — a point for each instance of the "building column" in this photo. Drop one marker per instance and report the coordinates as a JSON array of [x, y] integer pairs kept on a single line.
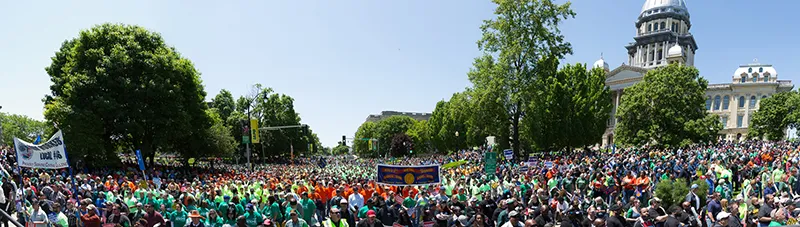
[[617, 100]]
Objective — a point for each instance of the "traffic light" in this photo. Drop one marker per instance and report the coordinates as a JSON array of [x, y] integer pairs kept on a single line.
[[344, 141]]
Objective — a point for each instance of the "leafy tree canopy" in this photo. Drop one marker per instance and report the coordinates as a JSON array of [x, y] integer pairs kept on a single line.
[[522, 33], [666, 109], [122, 85], [774, 115]]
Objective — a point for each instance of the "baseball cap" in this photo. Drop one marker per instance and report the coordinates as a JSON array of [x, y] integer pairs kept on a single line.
[[695, 186], [723, 215], [513, 214], [371, 213], [343, 201]]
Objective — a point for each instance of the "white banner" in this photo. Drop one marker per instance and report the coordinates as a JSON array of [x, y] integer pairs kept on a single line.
[[48, 155]]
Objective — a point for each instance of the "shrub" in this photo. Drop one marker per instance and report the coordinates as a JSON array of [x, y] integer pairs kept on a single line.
[[673, 192]]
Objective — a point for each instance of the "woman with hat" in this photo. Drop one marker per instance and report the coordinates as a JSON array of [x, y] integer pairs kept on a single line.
[[195, 216]]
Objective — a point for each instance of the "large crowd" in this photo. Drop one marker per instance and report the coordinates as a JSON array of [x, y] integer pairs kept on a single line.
[[751, 184]]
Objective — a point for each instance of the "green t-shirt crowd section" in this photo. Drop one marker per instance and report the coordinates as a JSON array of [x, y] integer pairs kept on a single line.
[[749, 183]]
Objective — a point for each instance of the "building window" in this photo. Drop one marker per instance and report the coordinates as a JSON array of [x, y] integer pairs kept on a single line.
[[724, 121], [761, 70], [741, 101], [660, 55], [755, 77], [716, 102], [763, 96], [739, 121], [649, 26], [726, 101], [766, 77], [749, 70], [663, 25], [708, 103], [752, 102]]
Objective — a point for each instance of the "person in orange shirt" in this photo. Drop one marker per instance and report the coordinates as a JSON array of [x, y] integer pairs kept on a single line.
[[367, 192], [627, 187], [643, 186]]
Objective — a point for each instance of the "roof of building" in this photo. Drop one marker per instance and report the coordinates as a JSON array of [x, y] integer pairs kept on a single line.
[[651, 5], [755, 67], [600, 64]]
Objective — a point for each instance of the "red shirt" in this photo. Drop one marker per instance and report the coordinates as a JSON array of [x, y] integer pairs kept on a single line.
[[90, 221]]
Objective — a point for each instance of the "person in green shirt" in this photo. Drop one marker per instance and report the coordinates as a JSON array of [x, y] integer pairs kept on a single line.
[[462, 195], [309, 207], [369, 205], [230, 216], [252, 217], [275, 210], [61, 218], [294, 221], [223, 206], [179, 216], [213, 220]]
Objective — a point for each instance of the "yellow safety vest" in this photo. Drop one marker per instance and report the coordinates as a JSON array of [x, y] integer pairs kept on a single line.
[[329, 223]]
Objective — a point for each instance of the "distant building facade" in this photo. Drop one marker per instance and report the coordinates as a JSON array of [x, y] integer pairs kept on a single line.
[[662, 38], [735, 102], [386, 114]]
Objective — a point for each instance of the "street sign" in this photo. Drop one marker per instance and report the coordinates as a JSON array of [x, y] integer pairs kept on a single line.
[[245, 139], [490, 163]]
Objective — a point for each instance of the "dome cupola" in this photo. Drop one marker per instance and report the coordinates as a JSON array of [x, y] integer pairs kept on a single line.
[[601, 64]]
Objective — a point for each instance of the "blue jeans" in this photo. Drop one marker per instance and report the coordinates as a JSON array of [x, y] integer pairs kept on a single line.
[[626, 194]]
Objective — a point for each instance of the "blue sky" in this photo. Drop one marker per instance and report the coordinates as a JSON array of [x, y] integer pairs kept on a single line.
[[343, 60]]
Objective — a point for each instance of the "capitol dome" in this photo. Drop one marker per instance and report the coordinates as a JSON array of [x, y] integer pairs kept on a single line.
[[657, 6], [600, 64]]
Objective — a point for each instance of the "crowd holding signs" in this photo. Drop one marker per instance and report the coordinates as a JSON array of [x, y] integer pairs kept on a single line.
[[730, 184]]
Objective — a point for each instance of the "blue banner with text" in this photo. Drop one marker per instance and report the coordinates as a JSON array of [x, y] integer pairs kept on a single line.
[[408, 175]]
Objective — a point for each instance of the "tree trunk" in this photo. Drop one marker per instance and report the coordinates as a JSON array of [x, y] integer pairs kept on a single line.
[[515, 127]]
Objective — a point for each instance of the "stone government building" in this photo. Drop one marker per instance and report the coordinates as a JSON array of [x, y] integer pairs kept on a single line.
[[663, 37], [386, 114]]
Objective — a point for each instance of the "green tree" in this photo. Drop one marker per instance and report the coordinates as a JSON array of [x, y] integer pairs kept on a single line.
[[449, 117], [271, 109], [401, 145], [420, 136], [23, 127], [340, 149], [522, 33], [121, 85], [667, 108], [218, 136], [387, 128], [224, 103], [366, 130], [673, 192], [570, 108], [774, 115]]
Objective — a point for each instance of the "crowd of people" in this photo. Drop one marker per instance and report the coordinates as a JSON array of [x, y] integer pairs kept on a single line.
[[751, 184]]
